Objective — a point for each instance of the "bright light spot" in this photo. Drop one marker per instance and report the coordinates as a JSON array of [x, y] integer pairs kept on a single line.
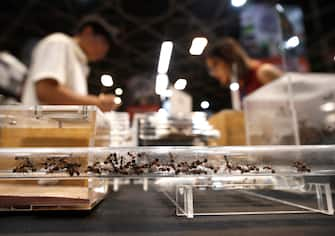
[[204, 105], [328, 107], [238, 3], [234, 86], [279, 8], [292, 42], [180, 84], [161, 110], [167, 93], [117, 100], [162, 83], [107, 80], [217, 184], [198, 45], [118, 91], [164, 57]]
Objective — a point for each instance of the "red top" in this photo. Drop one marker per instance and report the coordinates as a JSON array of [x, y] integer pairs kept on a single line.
[[250, 81]]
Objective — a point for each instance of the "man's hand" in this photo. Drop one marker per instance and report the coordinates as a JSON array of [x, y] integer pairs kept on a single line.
[[107, 102], [48, 91]]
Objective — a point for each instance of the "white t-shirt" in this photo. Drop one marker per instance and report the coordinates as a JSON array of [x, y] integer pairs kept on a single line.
[[60, 58]]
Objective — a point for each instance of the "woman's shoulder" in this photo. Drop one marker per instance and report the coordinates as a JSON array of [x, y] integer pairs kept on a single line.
[[266, 72], [255, 64]]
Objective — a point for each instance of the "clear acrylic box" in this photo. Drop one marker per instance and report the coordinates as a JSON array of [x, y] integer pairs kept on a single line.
[[51, 126], [161, 129], [294, 179], [120, 131], [48, 126], [295, 109]]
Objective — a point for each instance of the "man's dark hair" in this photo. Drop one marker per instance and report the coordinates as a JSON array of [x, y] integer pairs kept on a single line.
[[99, 26]]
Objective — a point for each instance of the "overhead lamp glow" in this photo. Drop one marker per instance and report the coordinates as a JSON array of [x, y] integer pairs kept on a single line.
[[164, 57], [117, 100], [167, 93], [238, 3], [198, 46], [107, 80], [292, 42], [162, 83], [328, 107], [279, 8], [162, 111], [180, 84], [204, 105], [234, 86], [118, 91]]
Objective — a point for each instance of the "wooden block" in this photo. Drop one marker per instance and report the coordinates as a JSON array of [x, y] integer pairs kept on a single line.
[[231, 127], [45, 137]]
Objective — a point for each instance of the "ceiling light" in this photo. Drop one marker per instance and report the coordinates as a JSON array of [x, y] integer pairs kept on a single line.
[[238, 3], [164, 57], [117, 100], [167, 93], [162, 83], [180, 84], [118, 91], [234, 86], [107, 80], [328, 107], [292, 42], [198, 45], [279, 8], [204, 105]]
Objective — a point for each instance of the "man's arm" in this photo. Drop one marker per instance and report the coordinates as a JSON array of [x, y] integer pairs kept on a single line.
[[49, 91]]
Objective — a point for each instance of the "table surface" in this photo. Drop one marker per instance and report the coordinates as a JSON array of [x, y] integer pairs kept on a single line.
[[134, 212]]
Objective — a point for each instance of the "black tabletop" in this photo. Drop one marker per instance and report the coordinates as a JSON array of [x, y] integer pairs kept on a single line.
[[134, 212]]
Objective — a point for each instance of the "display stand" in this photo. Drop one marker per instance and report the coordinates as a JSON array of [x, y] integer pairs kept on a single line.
[[190, 202], [199, 181]]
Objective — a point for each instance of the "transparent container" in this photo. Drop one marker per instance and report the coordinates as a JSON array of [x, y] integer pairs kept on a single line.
[[160, 129], [295, 109], [48, 126], [297, 178], [103, 131], [51, 126], [120, 131]]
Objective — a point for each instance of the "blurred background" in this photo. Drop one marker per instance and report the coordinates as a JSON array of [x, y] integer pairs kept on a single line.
[[144, 24]]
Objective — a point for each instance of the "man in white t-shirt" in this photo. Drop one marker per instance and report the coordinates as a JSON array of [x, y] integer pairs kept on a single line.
[[59, 66]]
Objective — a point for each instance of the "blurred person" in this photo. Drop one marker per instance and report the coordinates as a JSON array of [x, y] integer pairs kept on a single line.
[[59, 66], [251, 73]]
